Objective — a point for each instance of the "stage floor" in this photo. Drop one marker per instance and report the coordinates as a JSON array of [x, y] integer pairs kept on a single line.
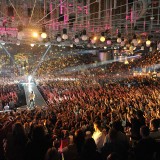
[[39, 100]]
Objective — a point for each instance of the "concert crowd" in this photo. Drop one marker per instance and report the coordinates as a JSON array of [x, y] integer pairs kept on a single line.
[[86, 118]]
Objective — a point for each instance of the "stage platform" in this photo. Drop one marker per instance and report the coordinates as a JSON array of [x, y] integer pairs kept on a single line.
[[39, 100]]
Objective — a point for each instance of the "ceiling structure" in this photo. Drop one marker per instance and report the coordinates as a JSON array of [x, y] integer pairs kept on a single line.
[[20, 18]]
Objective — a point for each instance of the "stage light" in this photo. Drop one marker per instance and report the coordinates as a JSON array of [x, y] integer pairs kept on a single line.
[[109, 42], [95, 38], [59, 39], [139, 41], [122, 43], [65, 36], [126, 61], [124, 48], [35, 34], [71, 45], [18, 43], [76, 39], [84, 37], [93, 41], [150, 49], [43, 35], [148, 43], [30, 88], [47, 44], [102, 38], [32, 44], [119, 40]]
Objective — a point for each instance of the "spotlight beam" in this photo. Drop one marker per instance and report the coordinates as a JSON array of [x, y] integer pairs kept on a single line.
[[41, 60], [93, 65], [32, 11], [50, 12], [153, 67], [10, 56], [16, 11]]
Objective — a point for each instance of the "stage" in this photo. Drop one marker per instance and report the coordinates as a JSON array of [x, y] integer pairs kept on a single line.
[[39, 100]]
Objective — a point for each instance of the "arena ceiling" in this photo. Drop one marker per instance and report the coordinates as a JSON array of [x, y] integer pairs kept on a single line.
[[128, 17]]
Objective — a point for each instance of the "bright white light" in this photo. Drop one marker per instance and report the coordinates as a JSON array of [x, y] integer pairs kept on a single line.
[[32, 45], [126, 61], [134, 48], [18, 43], [95, 38], [65, 36], [124, 48], [43, 35], [29, 78], [35, 34], [59, 39], [71, 45], [47, 44], [84, 37], [150, 49], [76, 40], [102, 39], [29, 88], [119, 40], [148, 43]]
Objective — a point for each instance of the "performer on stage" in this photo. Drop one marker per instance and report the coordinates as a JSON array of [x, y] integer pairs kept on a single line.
[[31, 99]]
